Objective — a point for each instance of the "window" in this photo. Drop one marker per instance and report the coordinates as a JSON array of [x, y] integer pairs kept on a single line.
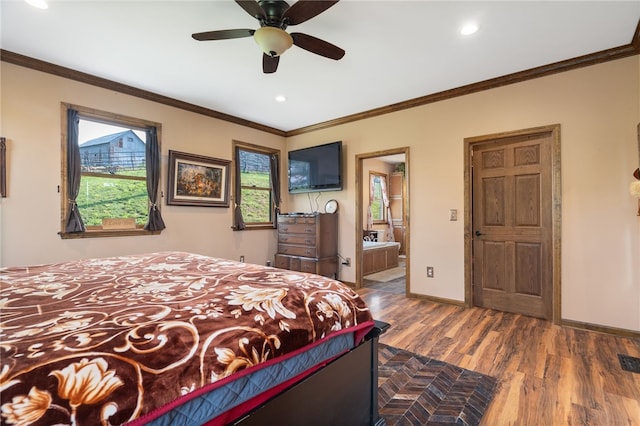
[[111, 168], [378, 210], [257, 186], [113, 181]]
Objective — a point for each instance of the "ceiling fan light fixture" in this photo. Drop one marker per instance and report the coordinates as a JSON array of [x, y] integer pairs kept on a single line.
[[273, 41]]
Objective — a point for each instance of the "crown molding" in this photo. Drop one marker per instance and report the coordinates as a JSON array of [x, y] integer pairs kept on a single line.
[[47, 67], [607, 55]]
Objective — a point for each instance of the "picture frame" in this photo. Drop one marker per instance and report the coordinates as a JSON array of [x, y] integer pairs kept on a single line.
[[196, 180]]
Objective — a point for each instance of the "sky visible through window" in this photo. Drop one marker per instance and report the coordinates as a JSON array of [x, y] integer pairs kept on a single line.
[[90, 130]]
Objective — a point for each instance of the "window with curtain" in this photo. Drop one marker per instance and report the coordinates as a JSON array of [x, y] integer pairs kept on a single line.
[[111, 168], [256, 186], [376, 205]]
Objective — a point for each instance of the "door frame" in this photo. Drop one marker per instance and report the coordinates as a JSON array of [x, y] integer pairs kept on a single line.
[[360, 211], [556, 213]]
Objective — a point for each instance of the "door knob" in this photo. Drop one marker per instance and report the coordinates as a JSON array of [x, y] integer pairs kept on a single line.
[[478, 233]]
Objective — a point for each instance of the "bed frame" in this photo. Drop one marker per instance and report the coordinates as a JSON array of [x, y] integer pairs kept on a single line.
[[345, 392]]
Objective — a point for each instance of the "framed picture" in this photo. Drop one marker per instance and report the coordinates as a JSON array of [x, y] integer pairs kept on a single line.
[[195, 180]]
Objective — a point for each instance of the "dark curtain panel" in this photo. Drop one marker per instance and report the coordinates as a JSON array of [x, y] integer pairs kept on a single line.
[[239, 220], [275, 185], [152, 149], [74, 221]]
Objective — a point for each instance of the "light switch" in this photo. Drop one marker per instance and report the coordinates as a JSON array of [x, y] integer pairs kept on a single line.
[[453, 214]]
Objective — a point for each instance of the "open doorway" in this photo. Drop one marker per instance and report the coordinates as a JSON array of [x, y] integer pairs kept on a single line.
[[382, 220]]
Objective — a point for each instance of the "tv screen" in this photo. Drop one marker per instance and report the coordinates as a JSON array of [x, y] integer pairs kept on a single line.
[[318, 168]]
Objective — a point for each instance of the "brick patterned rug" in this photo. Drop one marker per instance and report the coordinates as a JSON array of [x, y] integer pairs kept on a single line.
[[416, 390]]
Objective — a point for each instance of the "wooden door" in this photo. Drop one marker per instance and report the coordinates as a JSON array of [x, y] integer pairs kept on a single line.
[[512, 225]]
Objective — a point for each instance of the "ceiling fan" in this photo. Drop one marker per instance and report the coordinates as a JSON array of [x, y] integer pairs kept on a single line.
[[275, 16]]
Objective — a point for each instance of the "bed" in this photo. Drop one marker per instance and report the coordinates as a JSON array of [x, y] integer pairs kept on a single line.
[[178, 338], [379, 256]]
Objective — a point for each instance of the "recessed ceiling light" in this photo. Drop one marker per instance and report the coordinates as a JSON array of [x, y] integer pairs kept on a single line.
[[281, 98], [40, 4], [469, 28]]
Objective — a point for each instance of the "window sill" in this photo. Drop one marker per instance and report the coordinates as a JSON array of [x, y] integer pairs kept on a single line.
[[105, 234], [253, 227]]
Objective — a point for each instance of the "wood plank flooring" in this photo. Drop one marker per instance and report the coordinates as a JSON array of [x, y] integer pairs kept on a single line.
[[548, 375]]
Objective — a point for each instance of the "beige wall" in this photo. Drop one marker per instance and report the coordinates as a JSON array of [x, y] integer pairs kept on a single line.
[[31, 213], [598, 108]]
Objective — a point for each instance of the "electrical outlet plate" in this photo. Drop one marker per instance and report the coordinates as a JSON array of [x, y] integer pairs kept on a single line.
[[453, 215], [430, 271]]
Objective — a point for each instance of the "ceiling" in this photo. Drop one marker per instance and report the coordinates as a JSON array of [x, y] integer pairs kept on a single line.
[[395, 50]]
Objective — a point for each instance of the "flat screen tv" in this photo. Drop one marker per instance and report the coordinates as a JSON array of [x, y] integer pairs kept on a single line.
[[314, 169]]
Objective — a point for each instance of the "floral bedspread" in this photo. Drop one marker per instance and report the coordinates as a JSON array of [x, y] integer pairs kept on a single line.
[[105, 341]]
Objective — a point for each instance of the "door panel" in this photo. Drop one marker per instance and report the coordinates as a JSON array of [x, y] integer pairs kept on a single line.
[[512, 222], [495, 274], [527, 200], [494, 203], [528, 265]]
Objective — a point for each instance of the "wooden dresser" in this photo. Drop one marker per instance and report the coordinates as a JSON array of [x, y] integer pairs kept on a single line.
[[308, 243]]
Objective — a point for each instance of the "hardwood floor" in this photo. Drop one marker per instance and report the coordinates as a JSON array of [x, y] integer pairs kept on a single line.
[[548, 375]]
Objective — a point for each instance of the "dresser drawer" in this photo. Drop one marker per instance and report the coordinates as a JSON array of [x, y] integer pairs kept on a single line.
[[294, 264], [294, 250], [302, 220], [307, 240], [308, 265], [282, 262], [297, 228]]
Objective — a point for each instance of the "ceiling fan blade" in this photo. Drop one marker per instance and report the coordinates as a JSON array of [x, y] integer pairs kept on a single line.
[[252, 8], [317, 46], [269, 63], [223, 34], [303, 10]]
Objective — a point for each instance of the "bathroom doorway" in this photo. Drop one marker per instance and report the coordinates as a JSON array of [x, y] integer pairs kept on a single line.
[[382, 220]]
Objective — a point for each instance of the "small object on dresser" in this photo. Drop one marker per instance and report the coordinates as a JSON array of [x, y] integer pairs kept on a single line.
[[331, 206]]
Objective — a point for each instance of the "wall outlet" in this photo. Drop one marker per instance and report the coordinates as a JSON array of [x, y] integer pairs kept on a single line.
[[429, 271], [242, 259], [453, 215]]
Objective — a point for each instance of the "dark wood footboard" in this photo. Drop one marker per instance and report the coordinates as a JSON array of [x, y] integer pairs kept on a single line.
[[345, 392]]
